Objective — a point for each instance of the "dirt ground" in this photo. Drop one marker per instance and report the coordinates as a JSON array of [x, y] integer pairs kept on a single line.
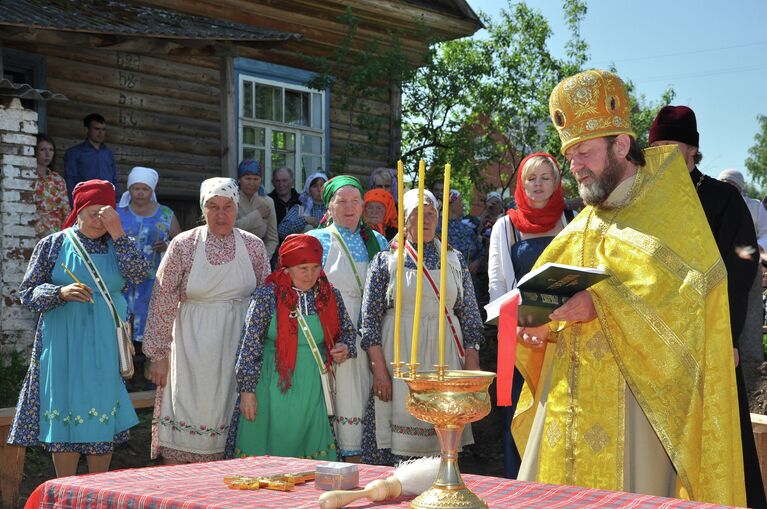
[[484, 457]]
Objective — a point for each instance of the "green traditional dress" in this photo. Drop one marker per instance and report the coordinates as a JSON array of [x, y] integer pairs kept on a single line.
[[293, 423]]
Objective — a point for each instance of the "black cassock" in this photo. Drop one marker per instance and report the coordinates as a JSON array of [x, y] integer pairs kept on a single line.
[[732, 226]]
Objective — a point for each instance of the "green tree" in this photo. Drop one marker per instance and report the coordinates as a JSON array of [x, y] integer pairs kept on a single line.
[[756, 162], [482, 103]]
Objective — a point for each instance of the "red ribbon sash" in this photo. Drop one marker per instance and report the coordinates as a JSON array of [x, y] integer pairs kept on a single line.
[[507, 349]]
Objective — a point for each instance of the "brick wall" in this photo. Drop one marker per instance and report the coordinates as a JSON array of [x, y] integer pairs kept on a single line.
[[18, 128]]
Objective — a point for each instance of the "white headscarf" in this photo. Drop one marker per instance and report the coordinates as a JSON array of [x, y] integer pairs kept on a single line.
[[219, 186], [140, 175], [410, 201], [306, 196]]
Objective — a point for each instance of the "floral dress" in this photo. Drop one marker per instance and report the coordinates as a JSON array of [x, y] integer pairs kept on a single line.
[[145, 231], [294, 423], [377, 330], [73, 399], [52, 203]]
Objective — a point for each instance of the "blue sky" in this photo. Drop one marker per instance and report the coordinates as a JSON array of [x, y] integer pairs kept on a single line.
[[713, 53]]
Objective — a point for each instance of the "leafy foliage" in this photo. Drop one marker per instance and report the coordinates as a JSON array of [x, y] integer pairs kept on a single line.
[[756, 162], [482, 103], [12, 371]]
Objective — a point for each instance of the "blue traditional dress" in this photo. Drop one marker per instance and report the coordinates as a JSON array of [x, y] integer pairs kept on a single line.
[[294, 423], [145, 231], [73, 398], [389, 431]]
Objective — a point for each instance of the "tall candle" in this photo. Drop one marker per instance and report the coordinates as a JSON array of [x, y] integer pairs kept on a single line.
[[400, 260], [419, 270], [443, 265]]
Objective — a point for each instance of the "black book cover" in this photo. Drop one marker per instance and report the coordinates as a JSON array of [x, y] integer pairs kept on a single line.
[[548, 287], [545, 289]]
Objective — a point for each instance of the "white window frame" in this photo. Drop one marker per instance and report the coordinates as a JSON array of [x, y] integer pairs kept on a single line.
[[271, 126]]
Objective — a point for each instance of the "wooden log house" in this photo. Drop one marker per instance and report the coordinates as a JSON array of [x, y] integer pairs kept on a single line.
[[192, 87]]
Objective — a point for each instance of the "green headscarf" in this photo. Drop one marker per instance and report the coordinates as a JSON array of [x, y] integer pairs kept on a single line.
[[329, 190], [331, 186]]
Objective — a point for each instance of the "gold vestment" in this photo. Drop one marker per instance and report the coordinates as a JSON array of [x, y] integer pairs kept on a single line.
[[662, 328]]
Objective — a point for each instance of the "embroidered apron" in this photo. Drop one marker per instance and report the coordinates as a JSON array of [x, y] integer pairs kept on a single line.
[[199, 397], [353, 378], [396, 429]]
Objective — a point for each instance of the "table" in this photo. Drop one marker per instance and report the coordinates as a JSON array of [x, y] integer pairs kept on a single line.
[[201, 486]]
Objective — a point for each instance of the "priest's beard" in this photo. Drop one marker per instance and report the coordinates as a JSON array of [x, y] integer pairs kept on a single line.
[[596, 191]]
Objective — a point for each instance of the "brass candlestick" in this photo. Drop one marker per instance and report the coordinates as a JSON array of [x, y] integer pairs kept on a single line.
[[449, 400]]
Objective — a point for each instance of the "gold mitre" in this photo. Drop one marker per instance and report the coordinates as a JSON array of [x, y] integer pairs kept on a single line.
[[590, 104]]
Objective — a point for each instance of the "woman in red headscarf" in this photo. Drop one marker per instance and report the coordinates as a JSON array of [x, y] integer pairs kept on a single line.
[[296, 325], [73, 400], [380, 212], [516, 241]]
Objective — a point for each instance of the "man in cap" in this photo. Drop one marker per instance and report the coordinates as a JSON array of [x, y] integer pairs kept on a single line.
[[730, 222], [629, 387]]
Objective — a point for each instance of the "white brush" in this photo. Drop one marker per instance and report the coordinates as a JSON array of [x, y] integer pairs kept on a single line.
[[412, 477]]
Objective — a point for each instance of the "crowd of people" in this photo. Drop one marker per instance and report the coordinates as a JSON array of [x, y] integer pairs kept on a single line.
[[269, 329]]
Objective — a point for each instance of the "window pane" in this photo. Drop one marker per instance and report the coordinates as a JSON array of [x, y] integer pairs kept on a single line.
[[269, 103], [283, 141], [311, 144], [247, 99], [253, 153], [317, 111], [296, 107], [311, 164], [280, 159], [254, 136]]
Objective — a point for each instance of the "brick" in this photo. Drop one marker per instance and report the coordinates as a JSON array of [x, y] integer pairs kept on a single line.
[[18, 231], [19, 139], [29, 127], [17, 183], [9, 198], [10, 122], [30, 115], [11, 171], [19, 161]]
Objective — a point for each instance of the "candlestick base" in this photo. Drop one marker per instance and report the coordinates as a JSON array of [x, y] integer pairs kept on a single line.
[[449, 400]]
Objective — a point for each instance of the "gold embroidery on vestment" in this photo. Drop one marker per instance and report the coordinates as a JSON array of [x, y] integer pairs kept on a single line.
[[597, 438]]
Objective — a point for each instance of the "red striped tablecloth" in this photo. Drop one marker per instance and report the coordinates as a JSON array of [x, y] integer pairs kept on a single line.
[[201, 486]]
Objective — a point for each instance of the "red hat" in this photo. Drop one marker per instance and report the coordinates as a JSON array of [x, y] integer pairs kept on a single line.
[[675, 123], [298, 249], [90, 192]]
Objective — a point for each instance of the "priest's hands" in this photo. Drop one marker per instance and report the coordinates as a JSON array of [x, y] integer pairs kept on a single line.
[[248, 405], [534, 337], [579, 308]]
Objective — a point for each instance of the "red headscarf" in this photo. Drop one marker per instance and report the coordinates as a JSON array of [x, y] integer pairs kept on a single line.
[[90, 192], [296, 250], [387, 200], [528, 219]]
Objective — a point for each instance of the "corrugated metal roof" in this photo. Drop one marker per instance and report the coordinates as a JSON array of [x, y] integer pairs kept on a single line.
[[131, 19], [24, 91]]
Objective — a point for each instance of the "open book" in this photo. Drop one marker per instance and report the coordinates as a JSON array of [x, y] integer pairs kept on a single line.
[[545, 289]]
